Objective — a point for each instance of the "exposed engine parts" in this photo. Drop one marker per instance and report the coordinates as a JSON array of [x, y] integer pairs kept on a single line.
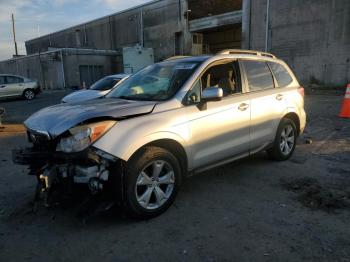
[[59, 176]]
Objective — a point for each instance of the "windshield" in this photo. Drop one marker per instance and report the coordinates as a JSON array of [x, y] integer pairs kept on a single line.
[[105, 83], [156, 82]]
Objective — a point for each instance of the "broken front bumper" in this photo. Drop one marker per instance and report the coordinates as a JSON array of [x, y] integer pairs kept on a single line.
[[61, 172]]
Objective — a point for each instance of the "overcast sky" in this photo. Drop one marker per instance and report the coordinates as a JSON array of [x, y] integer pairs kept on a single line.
[[40, 17]]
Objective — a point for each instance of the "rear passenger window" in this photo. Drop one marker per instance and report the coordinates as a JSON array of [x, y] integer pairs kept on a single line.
[[281, 74], [2, 80], [13, 80], [258, 75]]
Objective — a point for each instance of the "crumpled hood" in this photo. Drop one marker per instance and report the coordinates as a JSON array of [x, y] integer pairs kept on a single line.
[[83, 95], [55, 120]]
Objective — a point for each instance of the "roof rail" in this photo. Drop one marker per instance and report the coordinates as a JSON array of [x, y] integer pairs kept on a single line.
[[245, 52], [176, 57]]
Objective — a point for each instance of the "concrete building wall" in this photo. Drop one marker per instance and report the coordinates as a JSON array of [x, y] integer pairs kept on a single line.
[[161, 22], [153, 25], [312, 36], [61, 69], [110, 64]]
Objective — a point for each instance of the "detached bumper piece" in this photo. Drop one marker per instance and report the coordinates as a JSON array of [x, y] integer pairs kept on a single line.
[[91, 176]]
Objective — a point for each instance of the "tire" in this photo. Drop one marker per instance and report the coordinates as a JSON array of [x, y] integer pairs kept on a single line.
[[285, 141], [152, 182], [29, 94]]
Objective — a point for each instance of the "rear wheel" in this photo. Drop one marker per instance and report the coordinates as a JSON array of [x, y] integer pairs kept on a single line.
[[285, 141], [152, 183], [29, 94]]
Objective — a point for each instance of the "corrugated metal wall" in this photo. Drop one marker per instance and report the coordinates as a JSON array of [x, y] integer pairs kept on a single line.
[[46, 69]]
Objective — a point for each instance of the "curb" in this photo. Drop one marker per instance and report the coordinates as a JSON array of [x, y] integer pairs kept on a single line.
[[53, 91], [12, 128]]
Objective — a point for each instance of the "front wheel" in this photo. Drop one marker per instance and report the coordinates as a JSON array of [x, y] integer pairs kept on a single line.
[[29, 94], [285, 141], [152, 183]]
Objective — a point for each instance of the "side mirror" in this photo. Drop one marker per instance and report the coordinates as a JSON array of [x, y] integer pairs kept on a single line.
[[212, 94]]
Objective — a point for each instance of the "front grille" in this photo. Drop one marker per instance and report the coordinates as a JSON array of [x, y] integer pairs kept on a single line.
[[37, 138], [42, 141]]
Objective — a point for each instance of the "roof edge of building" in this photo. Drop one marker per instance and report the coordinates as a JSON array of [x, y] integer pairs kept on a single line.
[[94, 20], [80, 51]]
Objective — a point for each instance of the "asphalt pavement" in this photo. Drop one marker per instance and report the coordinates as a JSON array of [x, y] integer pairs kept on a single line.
[[18, 109]]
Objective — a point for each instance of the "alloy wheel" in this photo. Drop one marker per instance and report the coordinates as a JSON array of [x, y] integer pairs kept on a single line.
[[287, 140], [155, 184], [29, 94]]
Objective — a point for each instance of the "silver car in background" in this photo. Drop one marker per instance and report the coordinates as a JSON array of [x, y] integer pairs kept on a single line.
[[18, 86], [167, 121], [96, 90]]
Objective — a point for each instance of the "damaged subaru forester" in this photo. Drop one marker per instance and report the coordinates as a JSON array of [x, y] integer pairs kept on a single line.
[[169, 120]]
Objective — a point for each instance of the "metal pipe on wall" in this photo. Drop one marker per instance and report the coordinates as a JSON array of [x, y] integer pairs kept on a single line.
[[42, 71], [141, 29], [110, 33], [62, 65], [267, 25], [246, 13]]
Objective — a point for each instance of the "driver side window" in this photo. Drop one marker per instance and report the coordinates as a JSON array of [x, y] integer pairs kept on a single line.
[[222, 75], [225, 75]]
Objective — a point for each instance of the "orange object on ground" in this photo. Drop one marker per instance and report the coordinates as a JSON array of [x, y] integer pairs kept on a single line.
[[345, 111]]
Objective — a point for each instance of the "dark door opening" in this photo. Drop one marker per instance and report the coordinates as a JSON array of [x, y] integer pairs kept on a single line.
[[89, 74], [226, 37]]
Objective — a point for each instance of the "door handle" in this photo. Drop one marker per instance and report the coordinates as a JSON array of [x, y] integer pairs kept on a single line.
[[243, 107], [2, 86], [279, 97]]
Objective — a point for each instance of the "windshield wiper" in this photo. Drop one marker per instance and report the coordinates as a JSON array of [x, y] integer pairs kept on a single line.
[[137, 98], [124, 97]]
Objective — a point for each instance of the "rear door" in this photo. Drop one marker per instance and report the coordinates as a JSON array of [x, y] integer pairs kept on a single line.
[[267, 104]]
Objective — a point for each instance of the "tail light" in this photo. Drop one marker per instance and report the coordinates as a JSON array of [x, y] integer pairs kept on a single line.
[[301, 91]]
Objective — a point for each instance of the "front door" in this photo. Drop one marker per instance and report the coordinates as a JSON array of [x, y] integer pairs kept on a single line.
[[13, 86], [221, 131]]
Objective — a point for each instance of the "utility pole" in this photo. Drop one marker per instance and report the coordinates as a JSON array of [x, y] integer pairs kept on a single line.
[[14, 34]]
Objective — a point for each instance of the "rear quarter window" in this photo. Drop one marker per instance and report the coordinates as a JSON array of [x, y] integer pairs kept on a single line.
[[281, 74]]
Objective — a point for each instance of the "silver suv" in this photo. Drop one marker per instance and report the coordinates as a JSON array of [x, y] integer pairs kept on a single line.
[[170, 120]]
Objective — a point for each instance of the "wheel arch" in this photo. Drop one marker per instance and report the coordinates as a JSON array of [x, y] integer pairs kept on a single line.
[[172, 146], [295, 118]]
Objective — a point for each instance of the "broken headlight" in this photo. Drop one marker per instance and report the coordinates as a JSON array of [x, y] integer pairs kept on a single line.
[[83, 136]]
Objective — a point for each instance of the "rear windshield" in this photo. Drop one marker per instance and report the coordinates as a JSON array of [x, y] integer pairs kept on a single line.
[[105, 83]]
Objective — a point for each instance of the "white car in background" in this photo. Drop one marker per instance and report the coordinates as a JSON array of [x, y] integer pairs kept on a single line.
[[96, 90], [13, 86]]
